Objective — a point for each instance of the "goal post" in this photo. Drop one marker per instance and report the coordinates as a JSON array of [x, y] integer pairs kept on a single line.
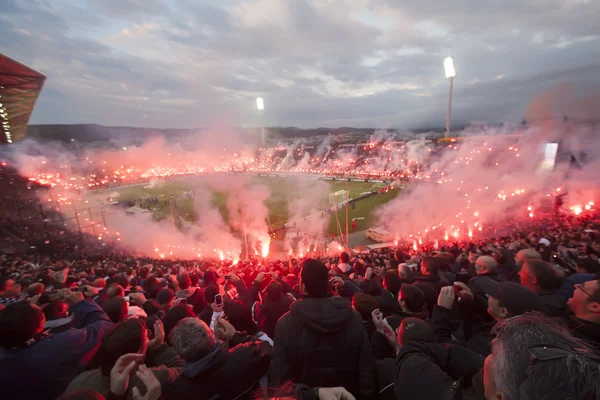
[[338, 197]]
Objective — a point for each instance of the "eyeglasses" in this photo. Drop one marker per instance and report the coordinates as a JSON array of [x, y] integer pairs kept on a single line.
[[580, 287]]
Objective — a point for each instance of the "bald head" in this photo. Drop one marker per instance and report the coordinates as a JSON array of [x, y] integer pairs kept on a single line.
[[526, 254], [486, 265]]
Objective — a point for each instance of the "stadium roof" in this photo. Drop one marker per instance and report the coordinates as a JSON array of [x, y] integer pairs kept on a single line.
[[20, 87]]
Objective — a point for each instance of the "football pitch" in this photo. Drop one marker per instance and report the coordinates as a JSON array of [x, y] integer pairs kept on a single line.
[[282, 191]]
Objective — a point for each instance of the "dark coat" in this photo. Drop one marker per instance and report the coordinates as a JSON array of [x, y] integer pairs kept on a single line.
[[322, 342], [445, 322], [553, 303], [388, 304], [478, 315], [431, 285], [267, 312], [44, 369], [223, 374], [584, 330], [435, 371]]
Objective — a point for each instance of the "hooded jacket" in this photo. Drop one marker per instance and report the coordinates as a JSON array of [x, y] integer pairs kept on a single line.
[[437, 371], [322, 342], [223, 374]]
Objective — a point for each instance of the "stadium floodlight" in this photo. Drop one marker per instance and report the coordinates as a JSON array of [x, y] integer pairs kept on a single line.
[[260, 106], [449, 67], [450, 73]]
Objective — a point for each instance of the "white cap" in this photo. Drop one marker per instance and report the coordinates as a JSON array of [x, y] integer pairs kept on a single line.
[[545, 242]]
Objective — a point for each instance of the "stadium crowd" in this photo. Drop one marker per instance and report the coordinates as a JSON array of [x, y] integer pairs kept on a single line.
[[512, 316]]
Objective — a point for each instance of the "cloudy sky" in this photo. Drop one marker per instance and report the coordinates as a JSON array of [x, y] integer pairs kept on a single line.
[[363, 63]]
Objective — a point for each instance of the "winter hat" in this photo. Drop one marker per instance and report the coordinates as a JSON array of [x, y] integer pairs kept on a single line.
[[315, 278]]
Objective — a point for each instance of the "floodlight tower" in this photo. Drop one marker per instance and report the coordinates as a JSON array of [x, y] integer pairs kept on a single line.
[[450, 73], [260, 106]]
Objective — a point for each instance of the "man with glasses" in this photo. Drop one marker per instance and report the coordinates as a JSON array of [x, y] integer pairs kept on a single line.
[[585, 305]]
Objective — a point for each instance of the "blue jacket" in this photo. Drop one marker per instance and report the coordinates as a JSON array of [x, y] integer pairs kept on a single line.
[[44, 369]]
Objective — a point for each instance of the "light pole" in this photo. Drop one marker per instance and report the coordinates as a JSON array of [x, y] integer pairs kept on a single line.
[[450, 73], [260, 106]]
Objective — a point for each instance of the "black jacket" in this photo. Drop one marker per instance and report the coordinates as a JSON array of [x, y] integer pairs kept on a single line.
[[436, 371], [388, 304], [553, 303], [322, 342], [431, 285], [477, 316], [267, 312], [223, 374], [445, 322], [583, 329]]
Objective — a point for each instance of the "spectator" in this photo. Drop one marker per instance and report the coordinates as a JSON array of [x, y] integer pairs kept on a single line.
[[193, 295], [176, 314], [116, 309], [130, 337], [241, 318], [505, 300], [435, 371], [321, 341], [541, 279], [35, 365], [388, 299], [524, 255], [57, 317], [534, 358], [584, 323], [585, 269], [430, 281], [211, 369], [344, 267], [9, 291], [35, 289], [485, 267], [365, 304], [274, 304]]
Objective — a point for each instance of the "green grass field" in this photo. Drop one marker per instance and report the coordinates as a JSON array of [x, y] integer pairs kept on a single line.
[[277, 204]]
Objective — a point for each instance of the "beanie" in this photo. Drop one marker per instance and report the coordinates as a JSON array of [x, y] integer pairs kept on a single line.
[[315, 278]]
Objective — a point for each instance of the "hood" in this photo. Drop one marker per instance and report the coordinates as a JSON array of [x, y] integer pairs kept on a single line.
[[207, 364], [322, 315], [186, 293]]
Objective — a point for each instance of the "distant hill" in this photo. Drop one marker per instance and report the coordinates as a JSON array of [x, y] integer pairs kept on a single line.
[[88, 133]]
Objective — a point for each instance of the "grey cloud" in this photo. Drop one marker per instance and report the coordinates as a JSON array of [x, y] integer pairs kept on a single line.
[[211, 64]]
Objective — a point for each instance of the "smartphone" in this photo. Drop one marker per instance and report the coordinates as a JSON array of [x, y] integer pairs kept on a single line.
[[127, 298], [218, 299]]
